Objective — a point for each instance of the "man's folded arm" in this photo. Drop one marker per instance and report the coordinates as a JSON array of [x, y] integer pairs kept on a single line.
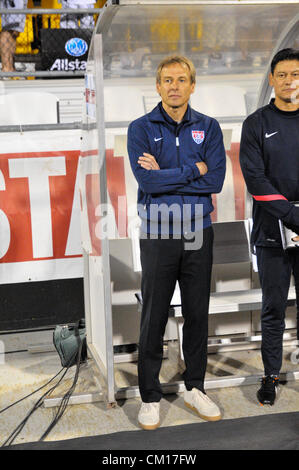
[[156, 181], [215, 159]]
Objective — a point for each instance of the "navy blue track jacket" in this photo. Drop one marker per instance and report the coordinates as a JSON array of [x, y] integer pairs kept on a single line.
[[176, 148], [269, 158]]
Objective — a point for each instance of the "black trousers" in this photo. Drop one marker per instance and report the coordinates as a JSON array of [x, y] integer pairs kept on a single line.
[[275, 268], [163, 263]]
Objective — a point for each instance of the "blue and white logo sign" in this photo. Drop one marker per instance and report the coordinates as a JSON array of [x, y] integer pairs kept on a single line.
[[76, 47]]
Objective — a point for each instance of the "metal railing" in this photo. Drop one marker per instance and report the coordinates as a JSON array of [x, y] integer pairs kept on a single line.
[[39, 42]]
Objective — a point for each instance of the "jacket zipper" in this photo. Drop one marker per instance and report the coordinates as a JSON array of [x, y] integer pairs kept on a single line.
[[177, 142]]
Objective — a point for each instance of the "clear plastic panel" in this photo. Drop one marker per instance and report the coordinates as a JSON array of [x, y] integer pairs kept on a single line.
[[296, 42], [231, 46], [220, 39], [93, 198]]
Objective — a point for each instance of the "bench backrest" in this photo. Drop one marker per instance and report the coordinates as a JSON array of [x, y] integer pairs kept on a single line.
[[231, 243]]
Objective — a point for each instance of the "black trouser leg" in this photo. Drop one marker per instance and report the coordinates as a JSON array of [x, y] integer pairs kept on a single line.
[[294, 260], [195, 280], [274, 272], [163, 263], [160, 261]]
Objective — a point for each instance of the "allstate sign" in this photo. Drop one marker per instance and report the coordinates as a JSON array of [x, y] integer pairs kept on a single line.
[[76, 47]]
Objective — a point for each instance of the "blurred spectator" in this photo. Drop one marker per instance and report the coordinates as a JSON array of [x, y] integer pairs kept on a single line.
[[218, 33], [256, 36], [12, 25], [165, 33], [72, 21]]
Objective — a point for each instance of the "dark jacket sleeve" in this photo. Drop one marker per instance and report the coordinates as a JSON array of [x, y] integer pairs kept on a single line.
[[258, 184], [215, 159], [185, 179], [155, 181]]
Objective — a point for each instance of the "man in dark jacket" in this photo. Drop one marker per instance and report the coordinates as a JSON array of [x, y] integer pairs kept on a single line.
[[178, 159], [269, 157]]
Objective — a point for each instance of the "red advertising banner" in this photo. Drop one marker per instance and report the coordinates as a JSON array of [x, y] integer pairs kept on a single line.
[[50, 202]]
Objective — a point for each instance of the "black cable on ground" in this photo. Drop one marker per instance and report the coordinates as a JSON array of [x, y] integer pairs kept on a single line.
[[30, 394], [40, 401], [66, 397]]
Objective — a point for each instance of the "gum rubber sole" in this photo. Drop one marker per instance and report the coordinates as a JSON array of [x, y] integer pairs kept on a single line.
[[206, 418], [149, 427]]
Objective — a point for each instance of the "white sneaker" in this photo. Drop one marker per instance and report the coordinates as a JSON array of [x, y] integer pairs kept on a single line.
[[149, 415], [202, 405]]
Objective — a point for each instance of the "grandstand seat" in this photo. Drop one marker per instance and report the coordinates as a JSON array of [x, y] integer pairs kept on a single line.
[[220, 100], [29, 108], [24, 39], [50, 21], [122, 104]]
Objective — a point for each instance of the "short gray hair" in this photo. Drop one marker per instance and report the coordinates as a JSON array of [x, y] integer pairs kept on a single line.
[[176, 59]]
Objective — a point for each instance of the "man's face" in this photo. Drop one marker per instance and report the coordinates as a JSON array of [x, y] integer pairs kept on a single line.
[[175, 87], [285, 81]]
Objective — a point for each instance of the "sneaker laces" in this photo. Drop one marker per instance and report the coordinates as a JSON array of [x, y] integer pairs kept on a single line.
[[204, 396], [147, 407], [269, 382]]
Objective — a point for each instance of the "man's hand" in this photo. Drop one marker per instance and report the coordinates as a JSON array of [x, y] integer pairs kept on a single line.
[[203, 169], [148, 162]]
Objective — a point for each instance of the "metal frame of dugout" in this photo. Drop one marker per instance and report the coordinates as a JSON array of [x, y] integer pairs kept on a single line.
[[97, 280]]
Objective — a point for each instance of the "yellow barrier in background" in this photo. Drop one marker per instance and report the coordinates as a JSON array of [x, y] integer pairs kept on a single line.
[[25, 39]]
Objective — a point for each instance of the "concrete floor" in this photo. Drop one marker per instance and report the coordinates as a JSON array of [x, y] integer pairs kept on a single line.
[[22, 372]]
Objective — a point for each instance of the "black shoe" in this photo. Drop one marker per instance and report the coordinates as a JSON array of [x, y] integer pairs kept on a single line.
[[267, 393]]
